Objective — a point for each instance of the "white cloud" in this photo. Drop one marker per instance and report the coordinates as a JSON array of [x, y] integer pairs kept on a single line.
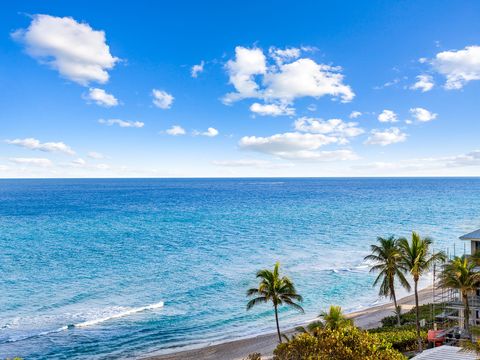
[[101, 97], [471, 158], [272, 109], [312, 107], [122, 123], [355, 114], [176, 130], [386, 137], [424, 83], [305, 77], [282, 81], [295, 145], [262, 164], [458, 66], [241, 71], [79, 162], [211, 132], [74, 49], [197, 69], [387, 116], [422, 114], [336, 127], [34, 144], [284, 55], [162, 99], [95, 155], [41, 162]]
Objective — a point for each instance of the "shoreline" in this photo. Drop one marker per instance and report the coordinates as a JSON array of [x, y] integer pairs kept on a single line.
[[265, 344]]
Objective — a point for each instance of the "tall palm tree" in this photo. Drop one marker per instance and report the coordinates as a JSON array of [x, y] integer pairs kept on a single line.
[[334, 318], [273, 288], [460, 274], [418, 260], [387, 259]]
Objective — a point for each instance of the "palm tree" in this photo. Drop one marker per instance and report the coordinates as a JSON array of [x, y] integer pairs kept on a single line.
[[460, 274], [334, 319], [275, 289], [387, 260], [418, 260]]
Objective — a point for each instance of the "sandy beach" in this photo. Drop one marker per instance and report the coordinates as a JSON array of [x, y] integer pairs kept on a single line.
[[265, 344]]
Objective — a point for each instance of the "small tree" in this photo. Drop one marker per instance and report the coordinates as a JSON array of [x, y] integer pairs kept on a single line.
[[460, 274], [418, 260], [387, 259], [275, 289]]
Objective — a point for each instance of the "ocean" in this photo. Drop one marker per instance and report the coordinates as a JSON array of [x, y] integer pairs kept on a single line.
[[123, 268]]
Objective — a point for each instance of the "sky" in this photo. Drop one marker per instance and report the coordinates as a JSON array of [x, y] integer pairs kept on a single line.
[[239, 89]]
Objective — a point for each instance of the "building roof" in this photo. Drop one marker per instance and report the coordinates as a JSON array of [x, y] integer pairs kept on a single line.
[[474, 235], [445, 352]]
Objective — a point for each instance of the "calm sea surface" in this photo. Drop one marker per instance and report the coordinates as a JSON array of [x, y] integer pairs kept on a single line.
[[144, 266]]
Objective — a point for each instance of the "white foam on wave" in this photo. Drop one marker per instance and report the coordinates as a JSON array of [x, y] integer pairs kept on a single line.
[[92, 322], [118, 315]]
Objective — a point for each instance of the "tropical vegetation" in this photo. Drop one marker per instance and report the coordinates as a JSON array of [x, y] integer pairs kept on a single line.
[[387, 261], [346, 343], [460, 274], [418, 260], [275, 289]]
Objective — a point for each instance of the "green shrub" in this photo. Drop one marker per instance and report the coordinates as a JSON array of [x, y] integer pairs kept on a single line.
[[347, 343], [402, 339], [409, 317]]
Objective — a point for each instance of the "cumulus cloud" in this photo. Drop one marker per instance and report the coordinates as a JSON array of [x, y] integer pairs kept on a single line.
[[304, 77], [288, 78], [78, 52], [162, 99], [335, 127], [272, 109], [211, 132], [355, 114], [122, 123], [176, 130], [34, 144], [422, 114], [458, 66], [241, 72], [41, 162], [296, 145], [101, 97], [424, 83], [387, 116], [197, 69], [386, 137]]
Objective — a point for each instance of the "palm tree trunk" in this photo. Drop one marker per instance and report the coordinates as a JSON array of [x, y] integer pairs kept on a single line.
[[466, 314], [392, 291], [417, 313], [278, 326]]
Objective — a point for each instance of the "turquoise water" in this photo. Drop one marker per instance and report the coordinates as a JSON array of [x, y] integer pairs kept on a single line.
[[147, 266]]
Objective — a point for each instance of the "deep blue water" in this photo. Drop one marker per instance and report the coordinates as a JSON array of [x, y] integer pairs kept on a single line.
[[96, 252]]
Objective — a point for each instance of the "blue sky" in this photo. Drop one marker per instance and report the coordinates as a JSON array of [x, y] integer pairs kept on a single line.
[[377, 88]]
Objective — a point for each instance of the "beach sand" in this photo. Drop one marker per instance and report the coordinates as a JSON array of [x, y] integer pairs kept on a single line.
[[265, 344]]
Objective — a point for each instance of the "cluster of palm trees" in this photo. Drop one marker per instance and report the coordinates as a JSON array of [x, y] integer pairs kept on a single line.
[[393, 258]]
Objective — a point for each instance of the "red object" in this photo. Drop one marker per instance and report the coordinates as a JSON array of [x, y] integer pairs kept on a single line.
[[436, 336]]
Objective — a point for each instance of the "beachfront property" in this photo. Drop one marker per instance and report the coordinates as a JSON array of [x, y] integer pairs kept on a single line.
[[452, 319]]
